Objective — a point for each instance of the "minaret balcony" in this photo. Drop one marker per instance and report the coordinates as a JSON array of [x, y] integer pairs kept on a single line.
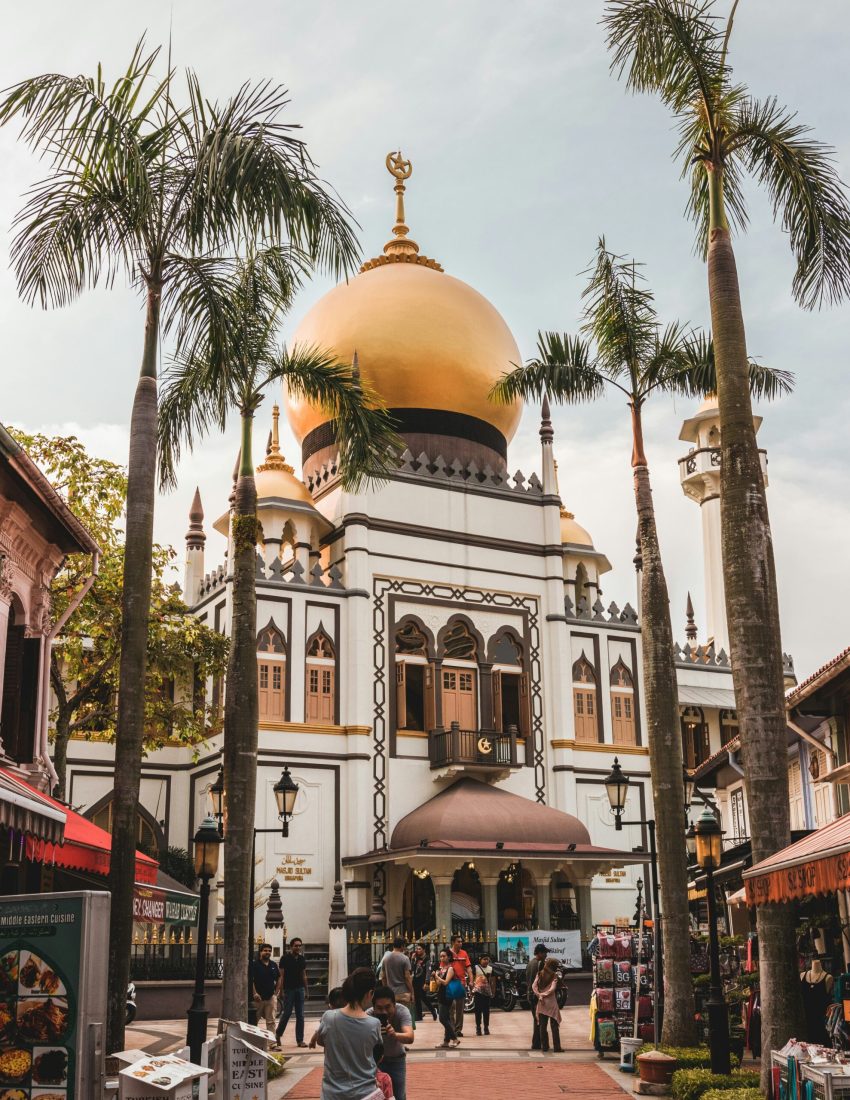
[[459, 750], [700, 468]]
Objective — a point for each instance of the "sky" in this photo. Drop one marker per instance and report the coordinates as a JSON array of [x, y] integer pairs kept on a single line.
[[525, 150]]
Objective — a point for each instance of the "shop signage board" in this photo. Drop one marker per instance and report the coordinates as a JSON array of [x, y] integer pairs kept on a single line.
[[164, 1077], [154, 906], [517, 948], [815, 876], [245, 1073], [53, 993]]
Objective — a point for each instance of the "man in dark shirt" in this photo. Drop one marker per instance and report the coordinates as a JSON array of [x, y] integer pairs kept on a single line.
[[293, 968], [531, 971], [265, 977]]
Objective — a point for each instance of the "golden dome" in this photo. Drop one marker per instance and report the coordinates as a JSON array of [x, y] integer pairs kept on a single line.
[[275, 478], [424, 340], [572, 532]]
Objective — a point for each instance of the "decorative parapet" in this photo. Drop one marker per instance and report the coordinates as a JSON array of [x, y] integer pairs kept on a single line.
[[292, 574], [705, 656], [212, 581], [437, 469], [584, 612]]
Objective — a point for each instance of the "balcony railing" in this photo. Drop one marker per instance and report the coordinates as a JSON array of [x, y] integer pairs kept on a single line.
[[472, 748]]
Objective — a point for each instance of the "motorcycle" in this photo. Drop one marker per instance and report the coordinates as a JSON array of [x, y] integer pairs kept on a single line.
[[504, 993], [130, 1010]]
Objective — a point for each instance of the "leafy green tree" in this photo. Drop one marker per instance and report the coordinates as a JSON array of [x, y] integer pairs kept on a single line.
[[623, 346], [143, 186], [181, 652], [232, 375], [679, 51]]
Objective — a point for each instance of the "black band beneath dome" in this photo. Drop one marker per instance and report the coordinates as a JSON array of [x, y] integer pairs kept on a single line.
[[419, 422]]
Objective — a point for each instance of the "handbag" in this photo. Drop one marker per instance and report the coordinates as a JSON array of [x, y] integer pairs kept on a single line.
[[432, 986], [456, 990]]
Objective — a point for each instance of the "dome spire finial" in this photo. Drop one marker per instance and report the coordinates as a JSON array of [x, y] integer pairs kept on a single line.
[[401, 249], [274, 459]]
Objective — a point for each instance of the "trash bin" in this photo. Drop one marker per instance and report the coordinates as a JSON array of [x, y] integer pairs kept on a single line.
[[628, 1052]]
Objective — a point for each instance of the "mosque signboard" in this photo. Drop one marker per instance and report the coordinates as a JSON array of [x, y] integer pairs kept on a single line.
[[517, 948]]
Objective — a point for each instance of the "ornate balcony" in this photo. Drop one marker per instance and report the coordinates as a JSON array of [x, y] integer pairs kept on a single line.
[[471, 750]]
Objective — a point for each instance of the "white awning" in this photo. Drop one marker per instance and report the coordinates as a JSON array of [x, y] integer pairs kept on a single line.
[[692, 696], [21, 809]]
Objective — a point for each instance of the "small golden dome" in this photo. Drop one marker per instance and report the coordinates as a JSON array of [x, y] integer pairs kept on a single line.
[[572, 532], [275, 478], [424, 340]]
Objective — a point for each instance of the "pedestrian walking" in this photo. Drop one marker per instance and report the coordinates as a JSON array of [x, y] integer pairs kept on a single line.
[[462, 965], [397, 1034], [547, 1010], [396, 972], [482, 993], [421, 967], [293, 968], [442, 977], [535, 965], [352, 1042], [265, 982]]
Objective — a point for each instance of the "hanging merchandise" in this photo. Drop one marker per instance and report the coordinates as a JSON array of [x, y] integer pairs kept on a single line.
[[622, 998]]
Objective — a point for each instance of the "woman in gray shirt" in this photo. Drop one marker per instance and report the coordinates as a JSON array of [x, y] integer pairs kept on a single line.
[[352, 1042]]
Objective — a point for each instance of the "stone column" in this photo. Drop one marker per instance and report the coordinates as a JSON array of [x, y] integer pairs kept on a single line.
[[489, 894], [5, 608], [583, 904], [485, 718], [337, 940], [443, 895], [544, 900]]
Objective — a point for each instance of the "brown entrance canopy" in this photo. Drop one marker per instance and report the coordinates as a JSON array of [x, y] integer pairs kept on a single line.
[[472, 818]]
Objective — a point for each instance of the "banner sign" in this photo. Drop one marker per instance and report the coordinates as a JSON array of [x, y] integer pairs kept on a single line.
[[153, 906], [819, 876], [517, 948], [52, 993]]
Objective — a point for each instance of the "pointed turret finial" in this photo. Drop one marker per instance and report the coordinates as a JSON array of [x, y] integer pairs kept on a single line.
[[547, 432], [274, 459], [195, 537], [401, 248], [274, 907], [355, 370], [638, 558], [690, 626], [338, 916]]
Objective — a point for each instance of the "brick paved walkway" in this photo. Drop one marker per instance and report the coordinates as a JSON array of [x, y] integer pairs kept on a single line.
[[544, 1080]]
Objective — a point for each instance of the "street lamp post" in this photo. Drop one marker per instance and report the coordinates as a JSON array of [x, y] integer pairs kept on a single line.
[[207, 842], [285, 793], [708, 842], [617, 788]]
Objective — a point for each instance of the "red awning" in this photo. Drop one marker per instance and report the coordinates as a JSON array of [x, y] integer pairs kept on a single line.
[[817, 864], [86, 846]]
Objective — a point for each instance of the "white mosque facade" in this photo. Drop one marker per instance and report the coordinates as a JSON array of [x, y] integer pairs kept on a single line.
[[436, 664]]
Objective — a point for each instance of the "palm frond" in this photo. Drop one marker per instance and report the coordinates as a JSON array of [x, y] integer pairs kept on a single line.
[[807, 195], [564, 369], [697, 206], [195, 398], [246, 172], [198, 301], [669, 357], [672, 47], [691, 371], [619, 312], [363, 428]]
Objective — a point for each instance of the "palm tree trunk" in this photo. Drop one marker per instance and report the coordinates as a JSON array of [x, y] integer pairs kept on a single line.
[[135, 611], [241, 715], [752, 612], [665, 761]]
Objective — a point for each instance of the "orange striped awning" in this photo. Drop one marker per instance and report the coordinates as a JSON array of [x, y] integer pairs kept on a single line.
[[817, 864]]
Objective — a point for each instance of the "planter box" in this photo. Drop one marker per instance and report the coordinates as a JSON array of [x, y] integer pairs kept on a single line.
[[656, 1068]]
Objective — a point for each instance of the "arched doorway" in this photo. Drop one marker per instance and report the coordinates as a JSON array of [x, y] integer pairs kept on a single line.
[[516, 898], [466, 900], [419, 903], [563, 906]]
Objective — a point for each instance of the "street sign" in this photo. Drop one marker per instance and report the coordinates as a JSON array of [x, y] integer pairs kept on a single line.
[[53, 993]]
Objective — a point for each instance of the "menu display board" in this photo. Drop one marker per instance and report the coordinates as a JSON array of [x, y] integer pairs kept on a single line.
[[47, 995], [151, 1077]]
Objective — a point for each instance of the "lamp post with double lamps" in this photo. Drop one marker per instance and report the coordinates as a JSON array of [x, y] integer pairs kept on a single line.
[[207, 843], [617, 788], [708, 838], [285, 793]]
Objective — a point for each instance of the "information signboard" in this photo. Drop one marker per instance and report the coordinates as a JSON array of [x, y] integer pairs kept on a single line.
[[52, 993], [517, 948]]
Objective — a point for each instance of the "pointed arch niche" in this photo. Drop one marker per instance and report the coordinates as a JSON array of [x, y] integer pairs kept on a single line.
[[320, 686], [585, 701], [461, 647], [272, 674], [623, 705], [415, 677]]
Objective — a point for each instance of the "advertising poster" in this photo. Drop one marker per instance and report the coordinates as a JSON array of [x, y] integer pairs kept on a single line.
[[42, 996], [517, 948], [245, 1062]]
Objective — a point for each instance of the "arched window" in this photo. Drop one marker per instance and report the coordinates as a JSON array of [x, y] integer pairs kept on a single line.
[[695, 748], [459, 687], [510, 684], [585, 701], [149, 835], [271, 673], [622, 705], [321, 680], [414, 679]]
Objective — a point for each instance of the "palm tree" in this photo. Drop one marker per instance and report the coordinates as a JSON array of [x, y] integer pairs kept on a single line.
[[140, 186], [678, 49], [622, 345], [200, 390]]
